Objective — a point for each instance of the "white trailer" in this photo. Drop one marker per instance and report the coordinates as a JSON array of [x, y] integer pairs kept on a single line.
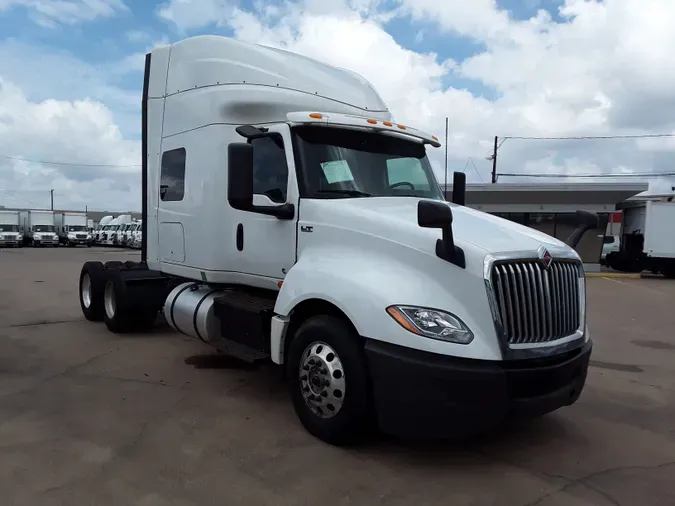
[[38, 228], [10, 229], [647, 237], [72, 229], [288, 217]]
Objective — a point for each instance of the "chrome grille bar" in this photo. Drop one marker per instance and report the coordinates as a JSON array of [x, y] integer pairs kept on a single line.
[[535, 304]]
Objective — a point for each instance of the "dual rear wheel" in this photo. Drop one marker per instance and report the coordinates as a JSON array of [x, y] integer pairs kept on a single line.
[[106, 295]]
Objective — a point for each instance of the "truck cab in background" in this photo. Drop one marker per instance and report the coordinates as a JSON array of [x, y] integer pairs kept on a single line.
[[39, 228], [99, 228], [73, 230], [288, 217], [11, 234]]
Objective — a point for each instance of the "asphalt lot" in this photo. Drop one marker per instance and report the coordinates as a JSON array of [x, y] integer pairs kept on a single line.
[[88, 417]]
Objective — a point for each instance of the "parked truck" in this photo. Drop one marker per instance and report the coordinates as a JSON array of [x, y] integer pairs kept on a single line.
[[112, 232], [10, 229], [647, 237], [72, 229], [38, 228], [288, 217], [99, 228]]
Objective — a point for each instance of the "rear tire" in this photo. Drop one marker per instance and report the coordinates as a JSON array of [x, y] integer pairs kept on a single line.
[[91, 285], [127, 308], [328, 381]]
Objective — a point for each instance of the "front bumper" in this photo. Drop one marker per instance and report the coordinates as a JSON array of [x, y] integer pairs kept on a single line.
[[45, 242], [10, 242], [424, 395], [77, 241]]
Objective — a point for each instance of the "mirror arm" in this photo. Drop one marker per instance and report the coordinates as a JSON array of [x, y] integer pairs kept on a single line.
[[283, 212]]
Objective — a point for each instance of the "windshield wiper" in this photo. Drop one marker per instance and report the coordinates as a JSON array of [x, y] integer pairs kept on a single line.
[[351, 193]]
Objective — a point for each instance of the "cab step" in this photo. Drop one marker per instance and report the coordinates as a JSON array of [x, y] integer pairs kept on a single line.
[[245, 322]]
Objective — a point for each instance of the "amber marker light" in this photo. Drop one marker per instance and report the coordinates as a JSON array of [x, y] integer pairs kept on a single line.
[[402, 320]]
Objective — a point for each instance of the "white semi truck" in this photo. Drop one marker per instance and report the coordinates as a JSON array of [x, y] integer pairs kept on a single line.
[[99, 228], [647, 237], [288, 217], [112, 232], [10, 229], [73, 229], [38, 228]]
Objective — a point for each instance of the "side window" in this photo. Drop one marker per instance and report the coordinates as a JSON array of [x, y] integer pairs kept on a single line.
[[407, 170], [270, 169], [172, 179], [609, 239]]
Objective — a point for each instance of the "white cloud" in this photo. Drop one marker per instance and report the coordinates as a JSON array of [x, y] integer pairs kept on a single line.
[[50, 13], [190, 14], [604, 71], [597, 74], [79, 131]]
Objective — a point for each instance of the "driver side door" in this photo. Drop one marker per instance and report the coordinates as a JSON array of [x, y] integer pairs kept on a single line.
[[266, 245]]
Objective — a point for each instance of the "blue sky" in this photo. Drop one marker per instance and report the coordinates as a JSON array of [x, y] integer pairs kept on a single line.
[[71, 75], [109, 40]]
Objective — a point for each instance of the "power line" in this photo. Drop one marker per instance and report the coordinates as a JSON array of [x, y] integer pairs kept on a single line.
[[589, 137], [72, 164], [476, 170], [18, 198], [634, 174]]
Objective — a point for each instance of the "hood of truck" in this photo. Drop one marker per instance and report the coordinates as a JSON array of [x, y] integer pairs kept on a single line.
[[395, 219]]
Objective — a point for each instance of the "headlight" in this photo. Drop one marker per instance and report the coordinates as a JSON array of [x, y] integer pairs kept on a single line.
[[36, 237], [431, 323]]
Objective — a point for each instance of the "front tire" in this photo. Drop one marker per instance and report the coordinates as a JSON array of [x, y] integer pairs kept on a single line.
[[328, 380]]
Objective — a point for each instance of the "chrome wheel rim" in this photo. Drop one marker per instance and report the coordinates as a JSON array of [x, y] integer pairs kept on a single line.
[[322, 380], [109, 300], [85, 291]]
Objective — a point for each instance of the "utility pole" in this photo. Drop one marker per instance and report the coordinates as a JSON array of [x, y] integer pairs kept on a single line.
[[494, 162], [52, 195], [445, 188]]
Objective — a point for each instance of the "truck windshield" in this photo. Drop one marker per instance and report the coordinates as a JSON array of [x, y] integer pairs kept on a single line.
[[341, 163], [43, 228], [77, 228], [9, 228]]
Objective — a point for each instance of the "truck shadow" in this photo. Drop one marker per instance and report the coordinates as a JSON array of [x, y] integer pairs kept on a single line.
[[219, 361]]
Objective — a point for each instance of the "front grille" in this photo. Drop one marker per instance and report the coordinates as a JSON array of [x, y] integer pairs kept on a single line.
[[81, 236], [535, 304]]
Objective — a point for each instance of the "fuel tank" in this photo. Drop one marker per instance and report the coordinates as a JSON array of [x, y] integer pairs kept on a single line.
[[189, 310]]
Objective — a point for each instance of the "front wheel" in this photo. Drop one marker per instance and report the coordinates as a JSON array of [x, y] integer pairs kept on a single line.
[[328, 380]]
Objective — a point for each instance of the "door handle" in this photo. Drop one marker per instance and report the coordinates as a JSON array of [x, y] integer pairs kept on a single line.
[[240, 237]]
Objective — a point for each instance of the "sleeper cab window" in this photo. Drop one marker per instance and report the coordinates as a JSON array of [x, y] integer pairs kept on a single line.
[[270, 169], [172, 179]]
